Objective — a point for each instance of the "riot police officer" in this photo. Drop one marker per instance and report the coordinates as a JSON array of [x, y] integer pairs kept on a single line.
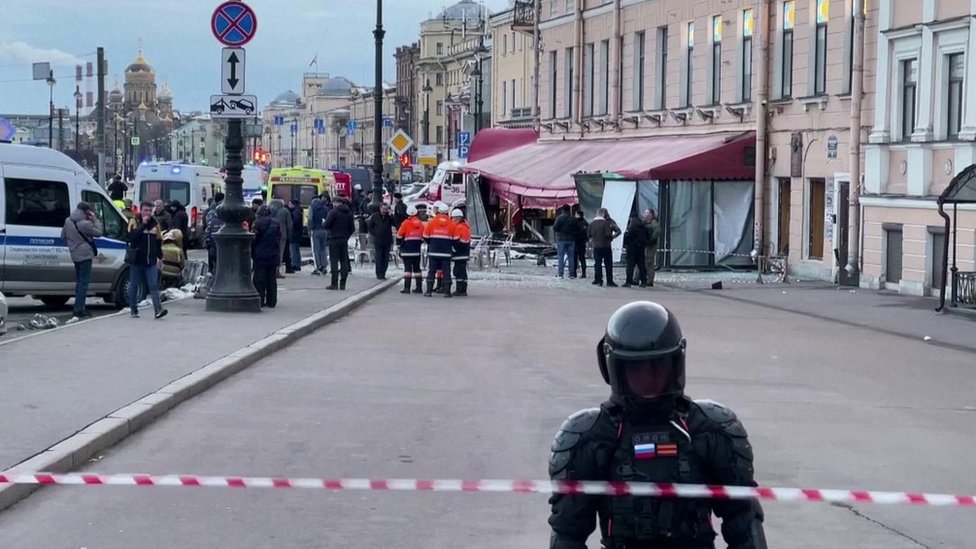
[[649, 431]]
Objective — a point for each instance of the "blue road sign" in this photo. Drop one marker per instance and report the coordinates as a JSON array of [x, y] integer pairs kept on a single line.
[[7, 130], [387, 122], [464, 138], [294, 129], [351, 126], [234, 24], [319, 124], [463, 151], [279, 120]]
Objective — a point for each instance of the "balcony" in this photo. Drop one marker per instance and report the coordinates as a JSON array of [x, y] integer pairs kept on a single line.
[[964, 289], [524, 17]]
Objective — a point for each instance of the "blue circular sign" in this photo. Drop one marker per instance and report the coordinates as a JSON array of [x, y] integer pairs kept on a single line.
[[234, 24]]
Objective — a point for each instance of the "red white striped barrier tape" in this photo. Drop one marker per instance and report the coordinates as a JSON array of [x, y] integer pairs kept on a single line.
[[517, 486]]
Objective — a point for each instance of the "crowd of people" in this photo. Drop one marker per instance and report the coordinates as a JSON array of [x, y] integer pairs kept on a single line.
[[573, 234]]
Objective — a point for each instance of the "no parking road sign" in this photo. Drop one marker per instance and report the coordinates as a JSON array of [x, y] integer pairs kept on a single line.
[[234, 24]]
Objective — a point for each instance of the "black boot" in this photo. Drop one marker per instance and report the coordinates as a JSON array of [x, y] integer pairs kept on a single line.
[[462, 289], [419, 289], [447, 290], [430, 288], [335, 282], [406, 286], [342, 282]]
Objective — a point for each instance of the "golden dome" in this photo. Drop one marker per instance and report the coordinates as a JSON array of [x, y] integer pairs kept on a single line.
[[139, 65], [165, 93]]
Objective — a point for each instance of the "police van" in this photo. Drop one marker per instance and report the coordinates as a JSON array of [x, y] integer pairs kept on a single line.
[[39, 188], [192, 185]]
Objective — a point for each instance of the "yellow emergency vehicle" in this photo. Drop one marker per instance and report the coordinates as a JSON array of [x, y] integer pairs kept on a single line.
[[302, 184]]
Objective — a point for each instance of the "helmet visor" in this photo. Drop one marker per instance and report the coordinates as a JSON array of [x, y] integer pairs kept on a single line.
[[647, 377]]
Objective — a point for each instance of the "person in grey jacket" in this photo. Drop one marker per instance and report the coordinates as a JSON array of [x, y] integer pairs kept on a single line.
[[283, 217], [79, 233]]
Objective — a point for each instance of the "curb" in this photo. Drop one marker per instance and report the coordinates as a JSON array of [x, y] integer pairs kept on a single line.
[[77, 449]]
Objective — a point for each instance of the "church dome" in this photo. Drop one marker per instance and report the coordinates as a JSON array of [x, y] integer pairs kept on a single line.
[[336, 87], [139, 65], [116, 93], [465, 10], [287, 98], [165, 94]]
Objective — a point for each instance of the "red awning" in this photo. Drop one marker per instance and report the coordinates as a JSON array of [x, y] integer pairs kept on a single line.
[[491, 141], [542, 172]]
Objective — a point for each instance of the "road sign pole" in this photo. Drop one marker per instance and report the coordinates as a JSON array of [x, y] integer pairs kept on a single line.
[[378, 112], [232, 289]]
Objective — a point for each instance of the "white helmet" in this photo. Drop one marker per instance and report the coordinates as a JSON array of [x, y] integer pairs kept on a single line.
[[358, 187], [441, 207], [457, 213], [411, 210]]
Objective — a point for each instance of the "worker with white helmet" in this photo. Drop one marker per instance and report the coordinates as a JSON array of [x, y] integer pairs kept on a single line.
[[410, 236], [439, 236], [461, 251]]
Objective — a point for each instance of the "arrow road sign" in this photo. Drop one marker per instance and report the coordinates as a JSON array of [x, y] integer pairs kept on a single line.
[[232, 71], [464, 138], [233, 106]]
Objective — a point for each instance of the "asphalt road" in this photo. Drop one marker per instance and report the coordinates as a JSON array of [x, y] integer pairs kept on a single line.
[[476, 387]]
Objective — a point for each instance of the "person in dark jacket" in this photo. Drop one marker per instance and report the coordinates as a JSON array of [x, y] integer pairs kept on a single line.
[[181, 222], [265, 255], [317, 212], [214, 224], [162, 216], [117, 189], [579, 248], [79, 233], [635, 241], [144, 257], [295, 234], [399, 210], [341, 225], [602, 232], [565, 230], [380, 227]]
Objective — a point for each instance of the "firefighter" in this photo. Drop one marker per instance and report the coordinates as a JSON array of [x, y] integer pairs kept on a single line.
[[410, 236], [439, 235], [461, 251]]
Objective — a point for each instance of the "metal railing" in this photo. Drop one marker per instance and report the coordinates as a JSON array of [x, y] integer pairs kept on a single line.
[[964, 289]]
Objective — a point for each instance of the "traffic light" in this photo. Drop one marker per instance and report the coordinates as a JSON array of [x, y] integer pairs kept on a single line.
[[405, 160]]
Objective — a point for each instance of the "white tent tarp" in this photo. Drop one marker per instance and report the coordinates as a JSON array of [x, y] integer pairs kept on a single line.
[[618, 199]]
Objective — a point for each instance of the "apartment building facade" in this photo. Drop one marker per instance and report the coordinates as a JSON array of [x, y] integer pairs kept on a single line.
[[923, 134], [512, 79]]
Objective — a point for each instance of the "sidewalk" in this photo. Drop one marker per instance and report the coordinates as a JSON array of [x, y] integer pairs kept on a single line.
[[887, 312], [58, 382]]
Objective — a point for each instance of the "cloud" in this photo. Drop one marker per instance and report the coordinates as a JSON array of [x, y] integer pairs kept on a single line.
[[22, 52]]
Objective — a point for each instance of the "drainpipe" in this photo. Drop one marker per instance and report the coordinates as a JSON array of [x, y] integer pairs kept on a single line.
[[857, 90], [761, 108], [537, 54], [578, 61], [615, 61]]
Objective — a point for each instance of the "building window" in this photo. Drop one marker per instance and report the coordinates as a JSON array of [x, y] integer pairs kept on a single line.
[[815, 219], [439, 79], [957, 71], [505, 44], [440, 108], [909, 90], [440, 48], [715, 93], [514, 95], [589, 75], [552, 7], [689, 65], [504, 97], [513, 41], [661, 98], [639, 47], [789, 15], [604, 77], [747, 24], [820, 48], [568, 108], [570, 6], [439, 133], [553, 78]]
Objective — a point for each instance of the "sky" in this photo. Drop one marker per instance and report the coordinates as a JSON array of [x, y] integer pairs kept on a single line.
[[178, 43]]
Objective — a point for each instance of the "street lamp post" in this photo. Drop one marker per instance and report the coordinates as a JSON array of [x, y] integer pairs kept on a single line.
[[378, 112], [480, 75], [78, 123], [427, 91], [50, 116], [232, 289]]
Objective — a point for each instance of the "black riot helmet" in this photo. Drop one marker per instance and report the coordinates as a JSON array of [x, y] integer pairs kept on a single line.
[[642, 358]]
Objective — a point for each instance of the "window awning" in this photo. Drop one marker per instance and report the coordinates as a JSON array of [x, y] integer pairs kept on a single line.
[[491, 141], [541, 173]]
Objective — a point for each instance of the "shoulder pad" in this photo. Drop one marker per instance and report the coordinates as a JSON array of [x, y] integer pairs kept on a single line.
[[723, 416], [567, 440]]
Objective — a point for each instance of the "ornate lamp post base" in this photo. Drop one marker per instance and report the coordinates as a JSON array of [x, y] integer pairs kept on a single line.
[[232, 289]]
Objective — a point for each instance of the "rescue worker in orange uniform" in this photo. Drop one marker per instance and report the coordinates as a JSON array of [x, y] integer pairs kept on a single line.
[[462, 249], [410, 236], [439, 235]]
